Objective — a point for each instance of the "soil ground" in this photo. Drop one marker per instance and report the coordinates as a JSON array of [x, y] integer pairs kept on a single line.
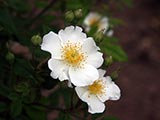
[[139, 78]]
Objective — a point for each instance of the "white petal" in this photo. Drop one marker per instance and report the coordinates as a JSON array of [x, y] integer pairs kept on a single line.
[[110, 33], [108, 80], [95, 59], [91, 16], [80, 92], [101, 73], [95, 105], [83, 76], [103, 25], [51, 43], [113, 92], [59, 70], [70, 84], [72, 34], [89, 46]]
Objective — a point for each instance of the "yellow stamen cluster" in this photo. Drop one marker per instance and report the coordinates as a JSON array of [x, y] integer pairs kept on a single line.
[[96, 88], [72, 55]]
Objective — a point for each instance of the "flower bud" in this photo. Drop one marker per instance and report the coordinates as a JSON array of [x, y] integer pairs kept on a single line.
[[109, 60], [69, 15], [78, 13], [114, 75], [36, 39], [10, 57], [98, 36]]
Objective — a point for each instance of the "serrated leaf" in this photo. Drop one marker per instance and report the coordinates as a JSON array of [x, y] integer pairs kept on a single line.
[[16, 108], [115, 51]]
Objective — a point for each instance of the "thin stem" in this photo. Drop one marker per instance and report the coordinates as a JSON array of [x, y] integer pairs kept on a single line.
[[42, 12], [41, 63]]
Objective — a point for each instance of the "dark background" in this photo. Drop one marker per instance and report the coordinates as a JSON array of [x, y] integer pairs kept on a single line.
[[139, 78]]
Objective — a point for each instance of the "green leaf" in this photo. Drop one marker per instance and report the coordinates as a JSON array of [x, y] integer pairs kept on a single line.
[[13, 96], [16, 108], [19, 5], [116, 21], [64, 116], [7, 22], [3, 107], [4, 91], [41, 4], [115, 51], [36, 112], [21, 117], [23, 68], [95, 116], [129, 3]]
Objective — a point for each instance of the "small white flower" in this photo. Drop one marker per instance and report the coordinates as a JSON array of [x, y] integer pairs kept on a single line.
[[74, 57], [96, 94], [96, 19]]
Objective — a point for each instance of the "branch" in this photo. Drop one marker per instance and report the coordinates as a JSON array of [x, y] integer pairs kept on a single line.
[[42, 12]]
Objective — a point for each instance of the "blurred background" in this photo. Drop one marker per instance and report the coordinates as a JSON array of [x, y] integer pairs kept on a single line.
[[139, 77]]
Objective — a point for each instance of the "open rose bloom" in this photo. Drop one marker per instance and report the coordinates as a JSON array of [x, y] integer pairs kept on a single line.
[[74, 56], [95, 19], [96, 94]]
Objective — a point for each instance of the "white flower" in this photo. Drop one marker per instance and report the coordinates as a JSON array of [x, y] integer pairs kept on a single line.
[[96, 19], [96, 94], [74, 57]]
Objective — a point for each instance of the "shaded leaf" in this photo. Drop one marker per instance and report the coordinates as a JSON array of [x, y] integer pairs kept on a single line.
[[4, 91], [35, 112], [115, 51], [16, 108], [7, 22], [3, 107], [23, 68]]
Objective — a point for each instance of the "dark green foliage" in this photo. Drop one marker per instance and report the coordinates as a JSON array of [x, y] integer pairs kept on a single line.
[[22, 79], [16, 108]]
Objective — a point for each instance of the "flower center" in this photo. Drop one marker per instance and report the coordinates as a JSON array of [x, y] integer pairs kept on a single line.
[[96, 88], [94, 21], [72, 55]]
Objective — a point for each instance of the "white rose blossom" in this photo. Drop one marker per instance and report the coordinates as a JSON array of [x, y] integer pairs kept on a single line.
[[102, 23], [96, 94], [74, 56]]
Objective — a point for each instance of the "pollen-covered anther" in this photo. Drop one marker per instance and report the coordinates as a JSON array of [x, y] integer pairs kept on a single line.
[[73, 55], [96, 88]]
